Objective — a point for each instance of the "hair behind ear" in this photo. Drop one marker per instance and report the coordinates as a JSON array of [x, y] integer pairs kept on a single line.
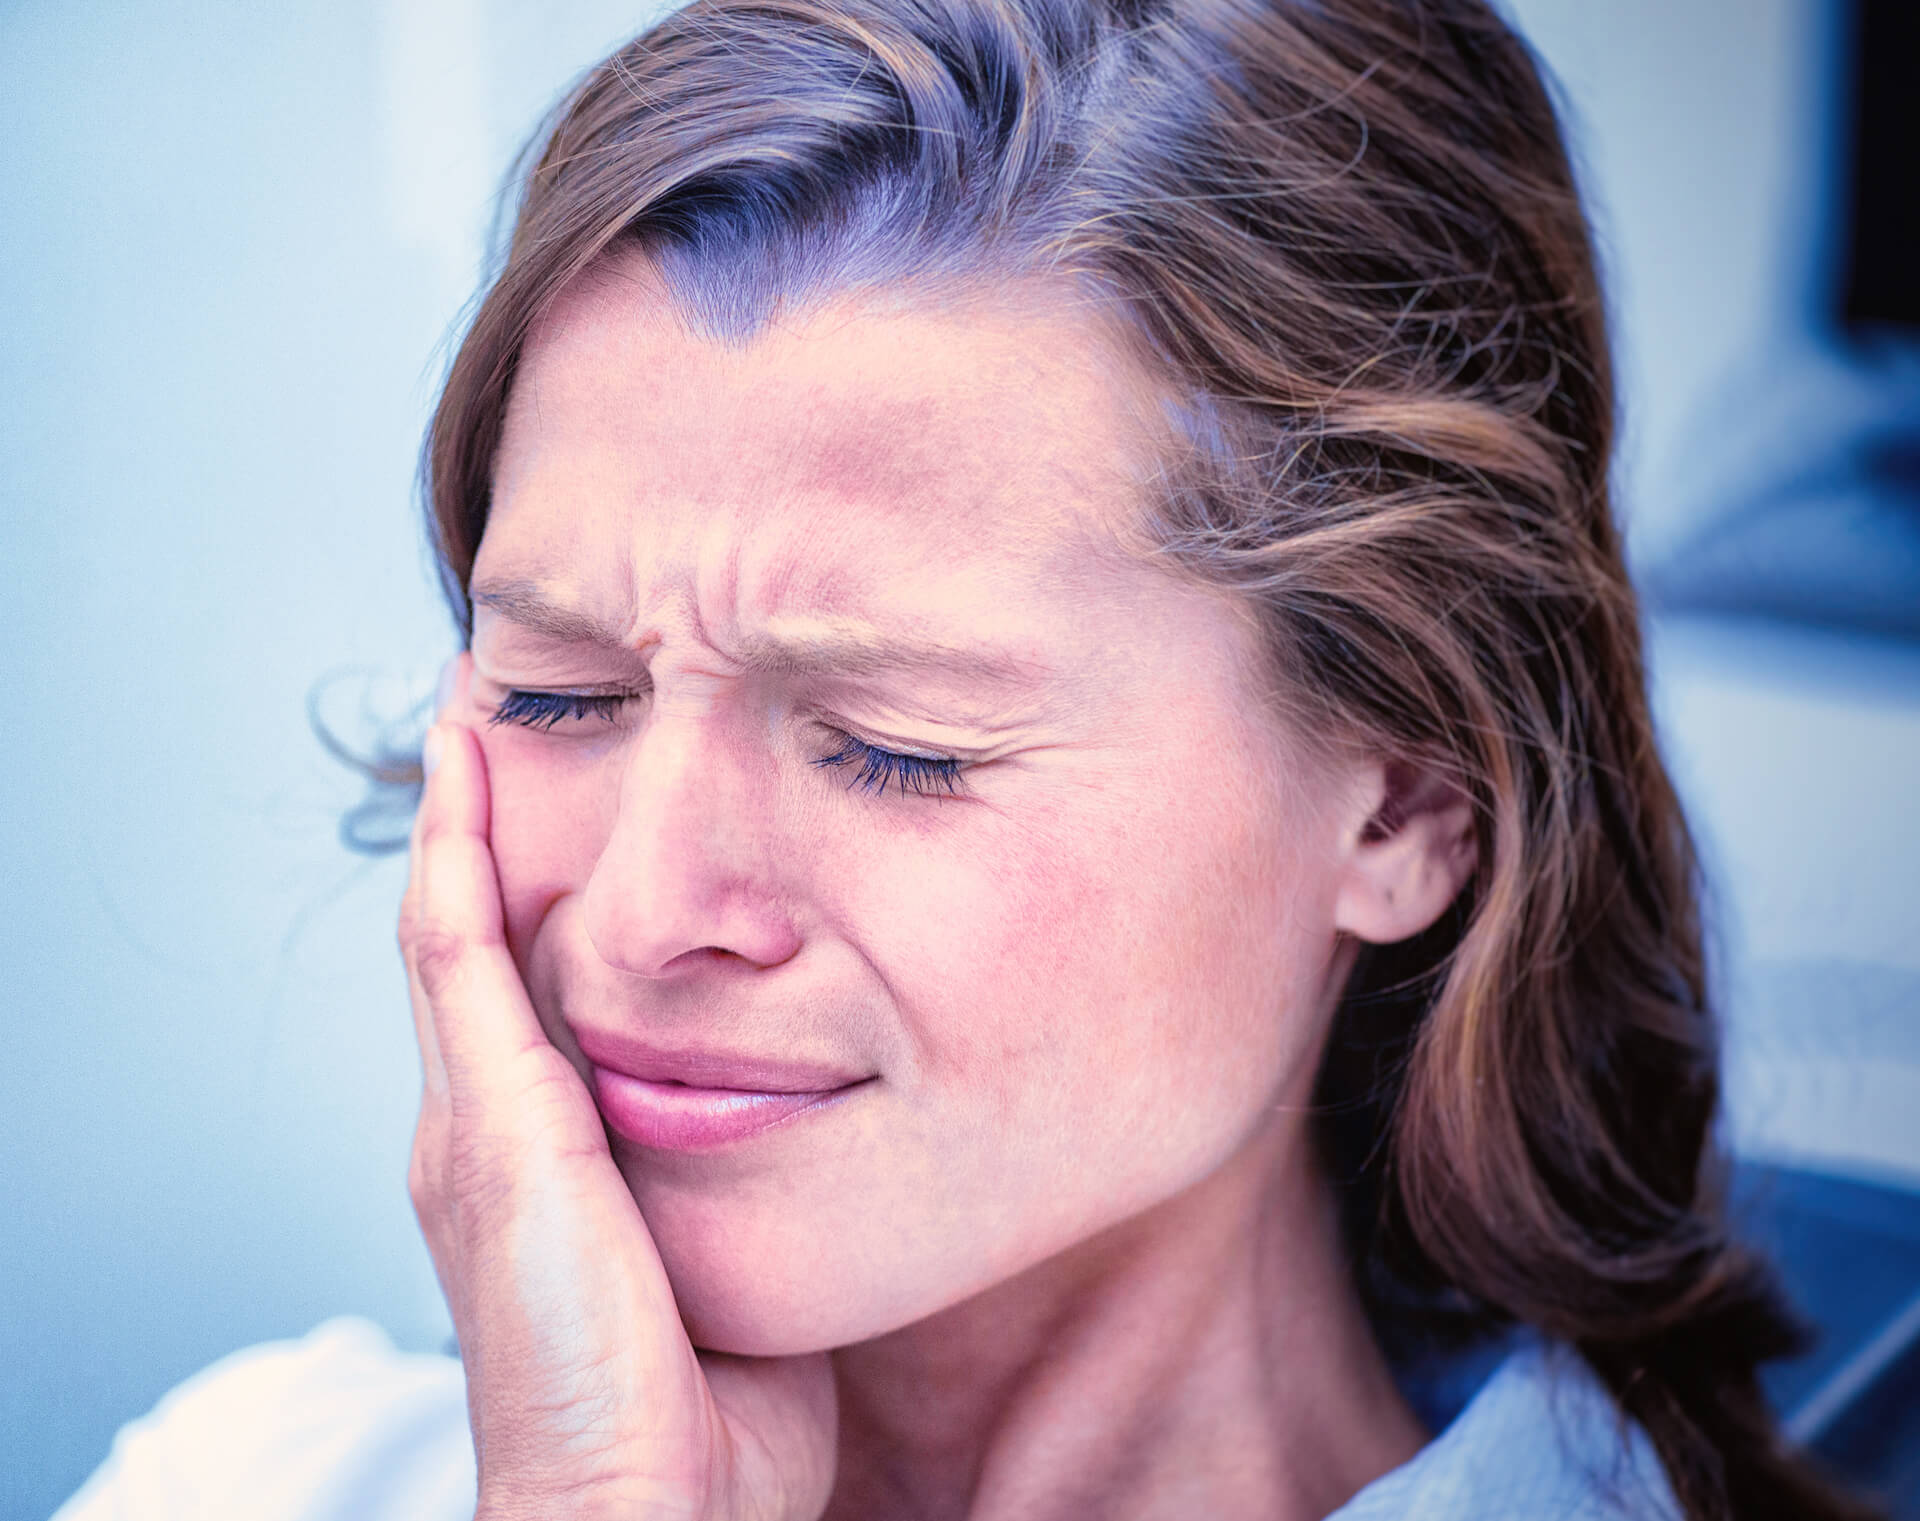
[[1541, 1067]]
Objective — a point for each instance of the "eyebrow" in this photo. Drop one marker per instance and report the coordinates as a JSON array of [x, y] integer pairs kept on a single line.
[[848, 650]]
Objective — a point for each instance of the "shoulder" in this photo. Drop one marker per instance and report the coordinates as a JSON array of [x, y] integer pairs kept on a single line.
[[334, 1424], [1543, 1441]]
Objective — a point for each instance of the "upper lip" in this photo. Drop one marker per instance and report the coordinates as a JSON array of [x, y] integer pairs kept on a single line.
[[712, 1066]]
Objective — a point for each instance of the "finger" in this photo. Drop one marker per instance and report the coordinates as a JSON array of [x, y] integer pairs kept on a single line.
[[459, 941], [451, 690], [433, 1068], [496, 1055], [433, 1072]]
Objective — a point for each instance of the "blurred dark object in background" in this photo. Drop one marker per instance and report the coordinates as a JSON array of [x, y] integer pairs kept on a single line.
[[1827, 531], [1882, 284], [1850, 1254]]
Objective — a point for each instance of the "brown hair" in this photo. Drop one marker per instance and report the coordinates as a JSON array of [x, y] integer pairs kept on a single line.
[[1346, 234]]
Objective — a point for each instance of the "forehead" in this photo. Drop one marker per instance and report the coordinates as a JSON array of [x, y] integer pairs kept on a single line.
[[866, 444]]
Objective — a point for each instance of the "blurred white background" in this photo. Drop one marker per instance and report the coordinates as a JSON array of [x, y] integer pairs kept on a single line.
[[235, 240]]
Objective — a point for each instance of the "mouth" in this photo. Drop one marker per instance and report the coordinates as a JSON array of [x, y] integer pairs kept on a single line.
[[702, 1100]]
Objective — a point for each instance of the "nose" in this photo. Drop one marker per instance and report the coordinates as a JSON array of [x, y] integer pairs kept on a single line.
[[690, 862]]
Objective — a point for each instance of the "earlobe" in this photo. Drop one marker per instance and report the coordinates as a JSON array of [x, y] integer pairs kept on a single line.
[[1410, 859]]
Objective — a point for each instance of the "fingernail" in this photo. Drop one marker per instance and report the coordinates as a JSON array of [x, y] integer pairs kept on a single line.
[[431, 751]]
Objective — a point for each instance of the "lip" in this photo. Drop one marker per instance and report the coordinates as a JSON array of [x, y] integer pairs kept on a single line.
[[702, 1099]]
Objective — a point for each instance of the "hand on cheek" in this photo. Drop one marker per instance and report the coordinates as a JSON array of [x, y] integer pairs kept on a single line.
[[583, 1391]]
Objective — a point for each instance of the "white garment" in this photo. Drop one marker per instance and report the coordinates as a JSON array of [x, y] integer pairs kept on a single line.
[[338, 1426]]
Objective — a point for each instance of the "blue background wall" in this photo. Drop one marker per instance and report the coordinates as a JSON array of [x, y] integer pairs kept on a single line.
[[235, 236]]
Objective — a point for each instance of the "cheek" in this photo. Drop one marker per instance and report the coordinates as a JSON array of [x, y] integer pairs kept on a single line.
[[1098, 1005], [1090, 1003], [1138, 973], [978, 945], [551, 816]]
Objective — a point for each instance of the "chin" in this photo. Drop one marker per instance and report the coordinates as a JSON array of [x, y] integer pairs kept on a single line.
[[758, 1277], [755, 1319], [770, 1277]]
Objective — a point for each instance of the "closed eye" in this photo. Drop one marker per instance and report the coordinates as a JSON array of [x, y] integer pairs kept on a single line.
[[922, 775], [542, 710]]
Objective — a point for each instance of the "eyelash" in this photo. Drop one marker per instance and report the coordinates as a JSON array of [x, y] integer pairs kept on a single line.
[[922, 775]]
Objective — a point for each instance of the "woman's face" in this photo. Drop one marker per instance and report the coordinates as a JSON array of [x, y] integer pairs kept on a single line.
[[1017, 1011]]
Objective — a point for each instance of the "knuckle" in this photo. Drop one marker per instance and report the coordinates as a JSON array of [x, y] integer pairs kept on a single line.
[[421, 1189], [439, 954], [424, 1171]]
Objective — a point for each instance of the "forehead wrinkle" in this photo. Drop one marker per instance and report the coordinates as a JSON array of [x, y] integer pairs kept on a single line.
[[794, 645], [976, 457]]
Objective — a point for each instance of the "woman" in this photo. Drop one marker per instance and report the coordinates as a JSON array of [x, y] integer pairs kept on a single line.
[[1046, 889]]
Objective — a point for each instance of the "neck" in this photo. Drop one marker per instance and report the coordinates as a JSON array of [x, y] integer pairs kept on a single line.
[[1208, 1358]]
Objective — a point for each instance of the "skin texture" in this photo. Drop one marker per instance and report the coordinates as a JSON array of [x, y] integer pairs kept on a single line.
[[1067, 1244]]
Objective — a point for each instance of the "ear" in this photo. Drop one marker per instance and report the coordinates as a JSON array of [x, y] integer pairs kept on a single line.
[[1410, 850]]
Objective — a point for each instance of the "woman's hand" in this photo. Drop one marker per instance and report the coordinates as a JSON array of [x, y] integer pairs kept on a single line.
[[584, 1394]]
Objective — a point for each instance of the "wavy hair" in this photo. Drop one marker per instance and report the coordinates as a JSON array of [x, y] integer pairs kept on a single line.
[[1345, 237]]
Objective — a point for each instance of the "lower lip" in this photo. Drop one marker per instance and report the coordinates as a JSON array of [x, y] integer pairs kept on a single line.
[[675, 1117]]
